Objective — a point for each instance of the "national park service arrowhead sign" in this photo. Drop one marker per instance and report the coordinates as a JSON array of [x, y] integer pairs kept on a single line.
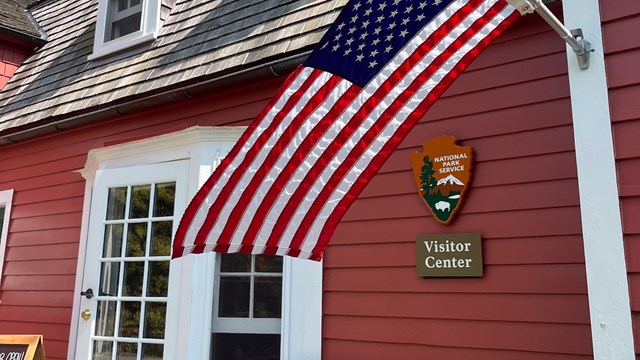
[[442, 172]]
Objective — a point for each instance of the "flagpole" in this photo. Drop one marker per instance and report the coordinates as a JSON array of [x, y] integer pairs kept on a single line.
[[574, 37]]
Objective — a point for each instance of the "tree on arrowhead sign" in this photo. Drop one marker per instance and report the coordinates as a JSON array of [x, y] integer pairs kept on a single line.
[[442, 172]]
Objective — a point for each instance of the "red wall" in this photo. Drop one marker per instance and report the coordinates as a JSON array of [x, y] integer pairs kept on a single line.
[[512, 106], [622, 56], [38, 280], [10, 58]]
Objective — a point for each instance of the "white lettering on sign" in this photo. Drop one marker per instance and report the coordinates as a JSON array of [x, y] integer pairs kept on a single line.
[[12, 356], [431, 263], [447, 246]]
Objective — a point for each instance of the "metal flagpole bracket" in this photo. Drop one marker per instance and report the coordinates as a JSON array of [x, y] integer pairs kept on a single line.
[[574, 38]]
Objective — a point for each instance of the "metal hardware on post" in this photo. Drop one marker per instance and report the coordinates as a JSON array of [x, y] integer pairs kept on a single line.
[[574, 38]]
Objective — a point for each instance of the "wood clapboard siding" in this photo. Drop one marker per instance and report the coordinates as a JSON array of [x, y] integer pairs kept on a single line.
[[512, 106], [39, 275], [622, 55]]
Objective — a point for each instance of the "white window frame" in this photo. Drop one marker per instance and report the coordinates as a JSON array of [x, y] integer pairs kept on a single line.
[[6, 199], [150, 24], [189, 335]]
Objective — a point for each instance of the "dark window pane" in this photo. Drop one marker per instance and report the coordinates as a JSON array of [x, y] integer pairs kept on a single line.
[[158, 279], [1, 218], [109, 276], [136, 240], [154, 316], [234, 296], [125, 26], [165, 195], [112, 246], [245, 346], [106, 319], [133, 278], [116, 203], [129, 319], [122, 5], [161, 238], [267, 297], [127, 351], [266, 263], [102, 350], [235, 263], [152, 351], [139, 207]]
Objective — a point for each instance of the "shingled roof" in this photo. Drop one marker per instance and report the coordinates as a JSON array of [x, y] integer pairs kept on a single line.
[[200, 39], [14, 17]]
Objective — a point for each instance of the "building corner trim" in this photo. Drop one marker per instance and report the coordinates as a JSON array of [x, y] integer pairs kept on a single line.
[[606, 270]]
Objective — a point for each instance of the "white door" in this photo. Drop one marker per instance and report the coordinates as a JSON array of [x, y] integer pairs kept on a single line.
[[128, 283]]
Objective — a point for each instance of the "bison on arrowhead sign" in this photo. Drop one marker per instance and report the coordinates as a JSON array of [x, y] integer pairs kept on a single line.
[[442, 172]]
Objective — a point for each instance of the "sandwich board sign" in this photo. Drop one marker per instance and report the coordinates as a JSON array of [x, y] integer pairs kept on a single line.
[[21, 347]]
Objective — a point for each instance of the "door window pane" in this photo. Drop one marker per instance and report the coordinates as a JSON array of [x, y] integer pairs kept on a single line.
[[129, 319], [106, 318], [109, 278], [127, 351], [116, 203], [112, 246], [161, 238], [152, 351], [136, 240], [158, 279], [102, 350], [165, 198], [139, 207], [154, 320], [133, 278]]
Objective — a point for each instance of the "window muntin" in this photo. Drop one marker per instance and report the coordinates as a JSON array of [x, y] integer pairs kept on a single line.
[[134, 272], [248, 307], [125, 17]]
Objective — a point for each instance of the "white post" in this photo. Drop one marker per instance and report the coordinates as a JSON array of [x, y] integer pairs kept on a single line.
[[607, 281]]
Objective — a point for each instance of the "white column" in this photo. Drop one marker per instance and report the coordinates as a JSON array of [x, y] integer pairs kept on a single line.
[[606, 269]]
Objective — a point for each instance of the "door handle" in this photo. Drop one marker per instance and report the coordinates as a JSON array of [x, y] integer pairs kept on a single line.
[[87, 293]]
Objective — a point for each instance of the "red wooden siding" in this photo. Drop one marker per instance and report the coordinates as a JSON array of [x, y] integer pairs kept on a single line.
[[512, 106], [622, 56], [40, 270]]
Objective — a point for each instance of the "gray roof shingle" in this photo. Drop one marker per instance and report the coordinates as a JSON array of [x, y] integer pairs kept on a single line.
[[14, 17], [200, 39]]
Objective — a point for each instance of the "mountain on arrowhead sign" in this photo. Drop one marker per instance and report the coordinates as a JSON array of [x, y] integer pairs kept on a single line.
[[442, 172]]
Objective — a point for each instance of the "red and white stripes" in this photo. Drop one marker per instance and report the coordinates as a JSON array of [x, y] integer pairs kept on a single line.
[[293, 174]]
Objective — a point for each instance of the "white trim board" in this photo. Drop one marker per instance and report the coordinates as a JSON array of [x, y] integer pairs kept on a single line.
[[607, 282]]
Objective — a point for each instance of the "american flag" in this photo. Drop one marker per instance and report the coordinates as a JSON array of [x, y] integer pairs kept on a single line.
[[293, 174]]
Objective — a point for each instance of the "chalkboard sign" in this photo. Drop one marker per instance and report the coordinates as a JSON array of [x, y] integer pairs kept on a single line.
[[21, 347]]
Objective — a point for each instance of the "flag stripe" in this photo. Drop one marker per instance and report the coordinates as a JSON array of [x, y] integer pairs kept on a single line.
[[187, 230], [496, 26], [349, 155], [258, 185], [283, 174], [198, 204], [362, 108], [240, 165]]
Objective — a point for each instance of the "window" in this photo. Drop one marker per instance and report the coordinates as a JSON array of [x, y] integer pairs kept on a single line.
[[122, 24], [247, 307], [276, 306], [5, 207], [123, 19]]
